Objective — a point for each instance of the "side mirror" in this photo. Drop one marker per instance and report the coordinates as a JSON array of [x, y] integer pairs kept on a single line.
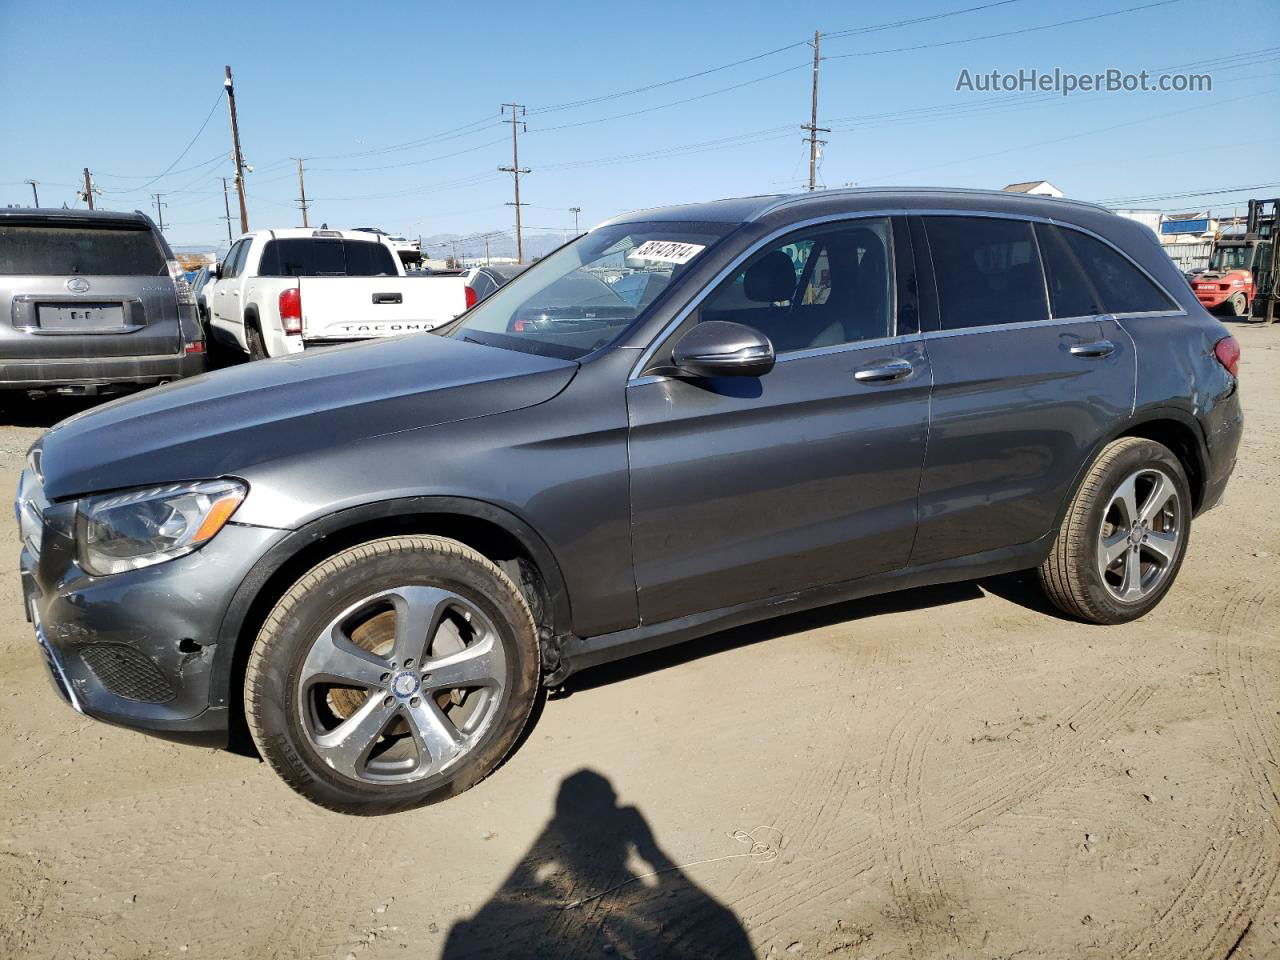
[[217, 270], [718, 348]]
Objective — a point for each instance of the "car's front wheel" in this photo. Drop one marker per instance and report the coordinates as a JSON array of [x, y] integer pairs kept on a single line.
[[1123, 538], [399, 672]]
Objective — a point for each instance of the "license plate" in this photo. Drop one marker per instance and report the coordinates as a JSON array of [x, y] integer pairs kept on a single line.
[[80, 316]]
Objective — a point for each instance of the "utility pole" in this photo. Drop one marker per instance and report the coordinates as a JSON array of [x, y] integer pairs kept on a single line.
[[517, 111], [160, 210], [575, 211], [237, 158], [812, 125], [302, 192], [486, 249], [34, 196], [227, 209], [87, 195]]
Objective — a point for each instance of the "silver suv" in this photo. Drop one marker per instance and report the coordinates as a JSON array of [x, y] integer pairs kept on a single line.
[[92, 301]]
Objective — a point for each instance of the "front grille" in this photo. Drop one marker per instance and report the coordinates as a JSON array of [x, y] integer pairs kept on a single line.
[[126, 672]]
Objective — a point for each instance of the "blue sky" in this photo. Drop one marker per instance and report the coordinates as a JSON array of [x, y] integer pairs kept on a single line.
[[397, 105]]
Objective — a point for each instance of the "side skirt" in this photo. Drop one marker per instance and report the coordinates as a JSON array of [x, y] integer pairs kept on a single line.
[[579, 653]]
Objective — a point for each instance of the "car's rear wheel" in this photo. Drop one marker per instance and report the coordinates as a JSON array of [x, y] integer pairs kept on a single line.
[[1123, 538], [257, 347], [399, 672]]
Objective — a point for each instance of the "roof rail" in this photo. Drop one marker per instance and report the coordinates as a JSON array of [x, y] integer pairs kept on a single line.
[[799, 198]]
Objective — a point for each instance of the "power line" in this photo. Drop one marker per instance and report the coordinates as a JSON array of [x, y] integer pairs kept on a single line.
[[185, 150], [1006, 33], [1121, 201]]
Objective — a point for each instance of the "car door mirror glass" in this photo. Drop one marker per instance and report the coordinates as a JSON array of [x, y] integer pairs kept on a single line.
[[720, 348]]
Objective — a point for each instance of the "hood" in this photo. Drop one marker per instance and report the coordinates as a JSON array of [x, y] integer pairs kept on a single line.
[[224, 422]]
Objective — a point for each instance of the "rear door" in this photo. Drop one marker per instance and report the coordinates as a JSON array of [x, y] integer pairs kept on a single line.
[[748, 488], [85, 289], [1028, 376]]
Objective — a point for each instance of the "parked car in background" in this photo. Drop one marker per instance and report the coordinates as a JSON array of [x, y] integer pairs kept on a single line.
[[200, 284], [280, 291], [836, 394], [409, 251], [482, 281], [92, 302]]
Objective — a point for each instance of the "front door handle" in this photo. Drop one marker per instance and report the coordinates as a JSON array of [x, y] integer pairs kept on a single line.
[[887, 372], [1094, 350]]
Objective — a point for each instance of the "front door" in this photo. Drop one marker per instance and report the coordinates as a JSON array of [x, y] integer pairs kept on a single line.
[[746, 488]]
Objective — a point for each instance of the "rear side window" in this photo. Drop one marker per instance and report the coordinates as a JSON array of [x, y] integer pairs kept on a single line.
[[1123, 287], [1071, 292], [103, 251], [987, 270], [325, 257]]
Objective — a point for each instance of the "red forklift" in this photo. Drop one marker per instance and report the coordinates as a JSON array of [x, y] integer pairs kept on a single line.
[[1241, 278]]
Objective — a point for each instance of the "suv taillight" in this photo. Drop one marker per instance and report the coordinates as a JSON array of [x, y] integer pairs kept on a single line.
[[291, 310], [472, 299], [1227, 350]]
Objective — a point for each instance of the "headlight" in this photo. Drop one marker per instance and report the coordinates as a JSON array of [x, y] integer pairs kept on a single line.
[[124, 531]]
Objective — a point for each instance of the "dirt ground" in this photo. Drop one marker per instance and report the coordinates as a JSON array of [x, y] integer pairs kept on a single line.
[[949, 772]]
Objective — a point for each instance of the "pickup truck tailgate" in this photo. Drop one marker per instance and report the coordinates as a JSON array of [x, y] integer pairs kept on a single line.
[[361, 308]]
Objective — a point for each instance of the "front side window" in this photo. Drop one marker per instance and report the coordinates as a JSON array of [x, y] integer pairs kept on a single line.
[[103, 251], [1123, 287], [820, 287], [987, 271], [235, 259], [567, 304]]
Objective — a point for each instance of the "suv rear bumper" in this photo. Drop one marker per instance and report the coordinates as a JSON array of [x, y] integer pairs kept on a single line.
[[28, 374]]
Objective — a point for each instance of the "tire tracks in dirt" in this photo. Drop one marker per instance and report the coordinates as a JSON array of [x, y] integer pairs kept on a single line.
[[1235, 874]]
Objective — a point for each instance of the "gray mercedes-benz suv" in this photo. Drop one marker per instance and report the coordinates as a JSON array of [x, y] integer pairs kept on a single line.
[[92, 301], [377, 554]]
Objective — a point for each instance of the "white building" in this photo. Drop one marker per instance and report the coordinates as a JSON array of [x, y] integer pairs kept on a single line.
[[1036, 188]]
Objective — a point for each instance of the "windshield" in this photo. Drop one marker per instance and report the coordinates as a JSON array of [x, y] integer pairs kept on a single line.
[[586, 294], [1231, 258]]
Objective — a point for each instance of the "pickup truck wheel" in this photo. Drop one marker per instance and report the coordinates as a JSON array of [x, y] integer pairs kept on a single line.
[[257, 348], [397, 673], [1239, 304], [1124, 536]]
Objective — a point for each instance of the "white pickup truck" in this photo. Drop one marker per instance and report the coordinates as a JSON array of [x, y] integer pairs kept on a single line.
[[280, 291]]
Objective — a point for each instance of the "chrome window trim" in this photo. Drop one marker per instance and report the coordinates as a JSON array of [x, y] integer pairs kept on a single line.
[[656, 343], [872, 344], [679, 319]]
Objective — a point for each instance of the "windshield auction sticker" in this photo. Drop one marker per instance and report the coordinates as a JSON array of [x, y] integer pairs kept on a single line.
[[667, 251]]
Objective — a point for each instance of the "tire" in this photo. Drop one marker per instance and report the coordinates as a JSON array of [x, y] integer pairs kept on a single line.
[[1238, 304], [315, 733], [1084, 576], [253, 337]]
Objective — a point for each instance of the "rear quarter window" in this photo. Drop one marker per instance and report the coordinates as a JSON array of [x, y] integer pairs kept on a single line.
[[103, 251], [1121, 285]]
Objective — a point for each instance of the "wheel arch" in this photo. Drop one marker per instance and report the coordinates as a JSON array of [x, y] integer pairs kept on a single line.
[[491, 530], [1175, 428]]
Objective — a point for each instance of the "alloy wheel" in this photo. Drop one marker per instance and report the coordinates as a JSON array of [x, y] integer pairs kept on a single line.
[[401, 685], [1141, 532]]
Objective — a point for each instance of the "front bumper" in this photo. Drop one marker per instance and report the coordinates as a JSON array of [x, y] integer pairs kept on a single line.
[[138, 649]]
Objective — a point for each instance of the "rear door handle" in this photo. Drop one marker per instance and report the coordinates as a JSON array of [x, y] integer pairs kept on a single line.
[[388, 298], [1093, 351], [887, 372]]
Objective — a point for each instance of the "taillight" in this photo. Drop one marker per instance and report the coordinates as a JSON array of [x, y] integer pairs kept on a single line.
[[1227, 350], [291, 310], [194, 347], [472, 299]]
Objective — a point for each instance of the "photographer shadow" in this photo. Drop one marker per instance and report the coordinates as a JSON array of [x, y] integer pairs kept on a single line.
[[580, 891]]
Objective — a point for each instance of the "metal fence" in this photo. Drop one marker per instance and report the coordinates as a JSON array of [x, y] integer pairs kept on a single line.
[[1189, 256]]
